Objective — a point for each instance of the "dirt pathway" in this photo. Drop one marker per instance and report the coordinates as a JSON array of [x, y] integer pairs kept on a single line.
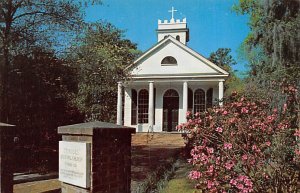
[[149, 151]]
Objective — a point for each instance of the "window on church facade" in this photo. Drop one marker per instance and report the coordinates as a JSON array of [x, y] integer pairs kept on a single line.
[[133, 107], [199, 101], [178, 37], [190, 100], [169, 60], [209, 98], [143, 105]]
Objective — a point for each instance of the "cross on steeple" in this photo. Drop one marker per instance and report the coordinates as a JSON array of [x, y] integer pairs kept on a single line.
[[172, 11]]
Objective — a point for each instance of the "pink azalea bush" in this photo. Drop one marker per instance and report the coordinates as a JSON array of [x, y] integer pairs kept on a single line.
[[243, 147]]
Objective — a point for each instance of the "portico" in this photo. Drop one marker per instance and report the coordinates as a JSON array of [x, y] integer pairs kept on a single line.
[[167, 102]]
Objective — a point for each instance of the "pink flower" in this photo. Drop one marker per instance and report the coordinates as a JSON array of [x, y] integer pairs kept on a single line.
[[242, 178], [252, 161], [233, 182], [254, 147], [229, 165], [265, 175], [232, 120], [210, 170], [219, 129], [239, 104], [297, 133], [210, 184], [179, 127], [210, 150], [240, 186], [244, 110], [244, 157], [227, 146], [218, 160], [225, 112], [248, 182], [194, 175], [188, 113], [243, 183], [268, 143]]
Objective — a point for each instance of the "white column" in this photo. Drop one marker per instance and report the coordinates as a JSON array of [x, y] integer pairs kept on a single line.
[[119, 104], [185, 99], [221, 92], [151, 105]]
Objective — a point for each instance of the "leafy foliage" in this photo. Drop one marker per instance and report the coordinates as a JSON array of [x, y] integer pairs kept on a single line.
[[33, 24], [101, 59], [272, 47], [244, 147], [40, 85], [223, 59]]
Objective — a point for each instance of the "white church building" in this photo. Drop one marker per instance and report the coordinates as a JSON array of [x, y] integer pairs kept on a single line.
[[168, 80]]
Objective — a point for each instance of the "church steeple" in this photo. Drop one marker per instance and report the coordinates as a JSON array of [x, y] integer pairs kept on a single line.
[[175, 28]]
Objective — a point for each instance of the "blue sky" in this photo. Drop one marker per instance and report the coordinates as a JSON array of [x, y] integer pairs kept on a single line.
[[212, 24]]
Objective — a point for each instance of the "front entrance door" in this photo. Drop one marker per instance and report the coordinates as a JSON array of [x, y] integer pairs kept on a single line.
[[170, 110]]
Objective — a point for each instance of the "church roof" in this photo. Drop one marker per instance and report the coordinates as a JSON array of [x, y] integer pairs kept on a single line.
[[218, 71]]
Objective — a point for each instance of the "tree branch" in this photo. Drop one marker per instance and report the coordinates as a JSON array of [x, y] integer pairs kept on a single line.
[[30, 13]]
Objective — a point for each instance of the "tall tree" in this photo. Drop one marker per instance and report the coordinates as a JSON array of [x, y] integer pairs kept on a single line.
[[274, 37], [223, 59], [273, 49], [39, 88], [28, 23], [101, 60]]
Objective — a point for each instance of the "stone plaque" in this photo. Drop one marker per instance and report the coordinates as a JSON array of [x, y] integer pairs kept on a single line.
[[75, 163]]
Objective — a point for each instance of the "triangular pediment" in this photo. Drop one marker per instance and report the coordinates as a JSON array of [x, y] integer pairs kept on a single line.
[[187, 62]]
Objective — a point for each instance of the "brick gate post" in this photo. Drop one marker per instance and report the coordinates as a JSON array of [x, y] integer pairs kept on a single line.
[[95, 157]]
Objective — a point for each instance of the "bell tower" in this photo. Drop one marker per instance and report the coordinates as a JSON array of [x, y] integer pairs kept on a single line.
[[175, 28]]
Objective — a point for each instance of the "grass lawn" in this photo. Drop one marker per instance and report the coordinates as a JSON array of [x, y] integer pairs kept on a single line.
[[180, 183]]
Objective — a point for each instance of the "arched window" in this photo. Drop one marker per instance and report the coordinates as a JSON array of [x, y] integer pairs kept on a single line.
[[171, 93], [199, 101], [133, 107], [143, 102], [169, 60], [178, 37], [209, 98]]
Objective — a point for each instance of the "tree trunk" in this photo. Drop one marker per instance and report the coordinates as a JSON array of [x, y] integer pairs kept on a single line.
[[4, 86], [4, 64]]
